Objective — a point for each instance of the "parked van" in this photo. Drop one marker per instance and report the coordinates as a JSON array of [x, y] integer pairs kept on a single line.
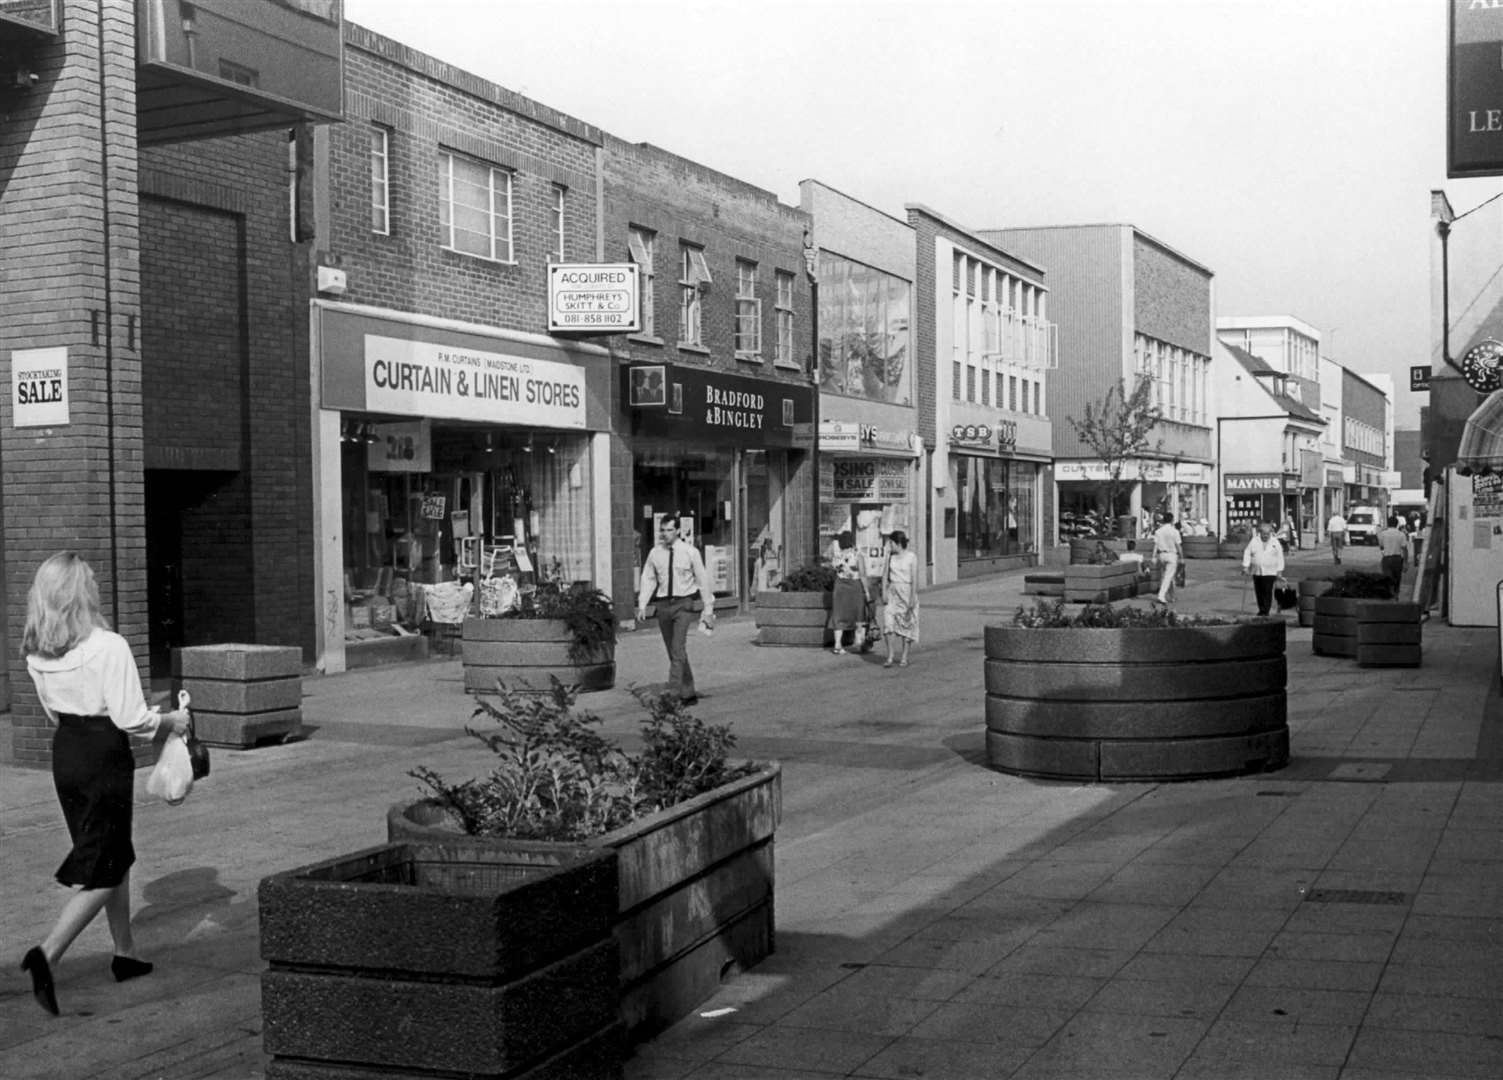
[[1362, 525]]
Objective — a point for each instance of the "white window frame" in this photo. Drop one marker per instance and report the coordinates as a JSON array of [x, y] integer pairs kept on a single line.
[[641, 244], [557, 212], [694, 276], [498, 191], [747, 336], [783, 308], [380, 181]]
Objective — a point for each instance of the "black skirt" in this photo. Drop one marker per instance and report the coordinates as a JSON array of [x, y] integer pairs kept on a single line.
[[94, 773]]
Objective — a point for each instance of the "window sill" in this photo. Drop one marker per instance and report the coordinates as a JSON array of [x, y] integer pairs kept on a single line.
[[787, 365], [645, 339], [690, 347], [478, 258]]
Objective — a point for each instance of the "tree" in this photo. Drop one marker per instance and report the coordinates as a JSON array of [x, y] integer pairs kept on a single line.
[[1117, 430]]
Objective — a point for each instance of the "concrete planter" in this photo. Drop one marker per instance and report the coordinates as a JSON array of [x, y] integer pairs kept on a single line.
[[1335, 626], [1309, 589], [1082, 548], [1388, 634], [1101, 584], [525, 653], [1232, 547], [794, 618], [423, 960], [1201, 547], [1136, 703], [694, 890], [241, 694]]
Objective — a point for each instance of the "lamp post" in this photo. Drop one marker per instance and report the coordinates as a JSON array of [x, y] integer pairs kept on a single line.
[[811, 269]]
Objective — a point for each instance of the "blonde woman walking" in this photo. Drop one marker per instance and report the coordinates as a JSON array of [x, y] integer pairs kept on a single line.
[[90, 688]]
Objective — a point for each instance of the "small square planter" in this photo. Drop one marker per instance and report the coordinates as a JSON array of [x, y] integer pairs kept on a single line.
[[1389, 634], [527, 654], [795, 618], [1335, 626], [693, 895], [426, 960]]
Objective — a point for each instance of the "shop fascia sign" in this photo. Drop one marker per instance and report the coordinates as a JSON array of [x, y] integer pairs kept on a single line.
[[745, 411], [419, 378], [848, 436], [1003, 435], [1272, 483], [593, 298], [1153, 472]]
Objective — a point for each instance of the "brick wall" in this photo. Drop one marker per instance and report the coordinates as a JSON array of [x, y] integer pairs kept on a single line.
[[1171, 297], [68, 156]]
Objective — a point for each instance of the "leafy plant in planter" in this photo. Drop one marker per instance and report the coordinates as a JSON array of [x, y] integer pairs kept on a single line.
[[811, 577], [558, 779], [1361, 585], [584, 609], [1051, 615]]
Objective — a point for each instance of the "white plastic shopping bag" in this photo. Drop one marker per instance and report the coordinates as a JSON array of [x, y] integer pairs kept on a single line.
[[172, 776]]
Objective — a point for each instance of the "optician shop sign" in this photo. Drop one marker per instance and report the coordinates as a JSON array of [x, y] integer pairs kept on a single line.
[[419, 378]]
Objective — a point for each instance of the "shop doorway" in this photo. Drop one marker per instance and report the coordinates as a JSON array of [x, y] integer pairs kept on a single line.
[[200, 580], [762, 520]]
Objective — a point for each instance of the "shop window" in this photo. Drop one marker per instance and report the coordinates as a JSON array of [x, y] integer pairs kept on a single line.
[[997, 507], [474, 207], [700, 486], [864, 334]]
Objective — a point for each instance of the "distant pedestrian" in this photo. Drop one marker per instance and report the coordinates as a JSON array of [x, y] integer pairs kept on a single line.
[[900, 587], [848, 605], [1287, 534], [1336, 531], [1393, 543], [88, 685], [1168, 551], [1264, 559], [675, 582]]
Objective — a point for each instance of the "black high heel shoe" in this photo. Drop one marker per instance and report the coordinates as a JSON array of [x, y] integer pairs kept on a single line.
[[35, 962], [126, 967]]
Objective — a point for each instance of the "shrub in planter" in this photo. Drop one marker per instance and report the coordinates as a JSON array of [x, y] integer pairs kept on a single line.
[[693, 832], [1127, 693], [558, 630], [798, 611]]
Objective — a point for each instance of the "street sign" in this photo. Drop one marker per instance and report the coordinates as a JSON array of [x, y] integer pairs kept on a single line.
[[1419, 378], [593, 298]]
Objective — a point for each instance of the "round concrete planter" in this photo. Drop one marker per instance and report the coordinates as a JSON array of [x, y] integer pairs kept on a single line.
[[1335, 626], [694, 890], [1309, 589], [1201, 547], [1136, 703], [794, 618], [526, 654], [1388, 634]]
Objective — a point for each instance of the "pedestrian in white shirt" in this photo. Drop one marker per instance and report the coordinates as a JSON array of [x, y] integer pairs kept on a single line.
[[1168, 550], [1336, 530], [675, 581], [1264, 560]]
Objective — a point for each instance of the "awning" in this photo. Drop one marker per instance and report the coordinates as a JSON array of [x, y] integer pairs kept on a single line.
[[1481, 448]]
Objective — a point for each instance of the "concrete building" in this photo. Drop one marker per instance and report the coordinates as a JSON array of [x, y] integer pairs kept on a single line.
[[986, 347], [1127, 306], [871, 461]]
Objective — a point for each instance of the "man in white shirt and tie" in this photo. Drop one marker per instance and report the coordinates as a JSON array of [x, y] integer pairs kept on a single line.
[[675, 580]]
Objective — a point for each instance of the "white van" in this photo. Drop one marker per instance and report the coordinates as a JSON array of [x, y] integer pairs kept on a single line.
[[1362, 525]]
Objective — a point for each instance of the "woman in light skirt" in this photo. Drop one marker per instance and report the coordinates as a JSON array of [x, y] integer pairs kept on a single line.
[[900, 587]]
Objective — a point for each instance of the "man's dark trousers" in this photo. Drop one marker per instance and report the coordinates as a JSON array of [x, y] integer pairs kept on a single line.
[[674, 619], [1262, 587]]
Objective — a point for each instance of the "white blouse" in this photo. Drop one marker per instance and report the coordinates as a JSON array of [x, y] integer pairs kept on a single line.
[[97, 677]]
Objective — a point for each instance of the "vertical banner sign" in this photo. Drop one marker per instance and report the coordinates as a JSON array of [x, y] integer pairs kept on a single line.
[[39, 386], [1474, 77]]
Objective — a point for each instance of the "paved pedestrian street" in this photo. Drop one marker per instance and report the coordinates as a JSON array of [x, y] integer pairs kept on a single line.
[[1339, 918]]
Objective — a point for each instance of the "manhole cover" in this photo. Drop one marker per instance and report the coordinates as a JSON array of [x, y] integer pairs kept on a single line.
[[1356, 896]]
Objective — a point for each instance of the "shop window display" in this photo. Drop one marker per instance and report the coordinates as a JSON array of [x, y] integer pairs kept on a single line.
[[473, 504], [997, 507], [700, 485]]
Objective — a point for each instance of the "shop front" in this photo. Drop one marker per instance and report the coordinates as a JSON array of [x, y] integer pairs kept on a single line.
[[1252, 498], [1178, 488], [868, 483], [994, 472], [730, 455], [448, 454]]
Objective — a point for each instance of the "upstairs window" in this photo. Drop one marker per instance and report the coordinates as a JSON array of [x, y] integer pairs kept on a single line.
[[474, 207], [640, 244], [748, 312], [784, 309], [694, 276], [380, 182], [556, 219]]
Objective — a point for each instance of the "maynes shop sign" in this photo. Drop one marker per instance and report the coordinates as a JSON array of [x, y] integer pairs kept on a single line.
[[727, 408]]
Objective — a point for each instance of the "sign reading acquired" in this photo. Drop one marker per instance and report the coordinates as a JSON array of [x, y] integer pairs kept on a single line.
[[418, 378], [597, 298]]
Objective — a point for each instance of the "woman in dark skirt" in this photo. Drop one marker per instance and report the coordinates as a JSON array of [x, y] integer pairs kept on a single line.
[[89, 686], [849, 601]]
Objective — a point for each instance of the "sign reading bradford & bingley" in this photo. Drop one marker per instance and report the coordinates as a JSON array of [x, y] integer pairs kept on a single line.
[[1474, 122], [725, 408], [39, 386], [418, 378], [597, 298]]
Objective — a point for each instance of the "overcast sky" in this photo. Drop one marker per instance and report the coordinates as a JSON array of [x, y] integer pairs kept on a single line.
[[1288, 145]]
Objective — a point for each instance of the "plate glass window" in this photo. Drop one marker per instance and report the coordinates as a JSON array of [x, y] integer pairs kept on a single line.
[[380, 182], [475, 207], [640, 243], [748, 312]]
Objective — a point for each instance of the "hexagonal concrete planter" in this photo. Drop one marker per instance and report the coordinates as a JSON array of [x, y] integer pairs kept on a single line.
[[794, 618], [694, 892], [527, 654], [1201, 547], [1137, 703], [1309, 589], [1335, 626], [429, 960], [1389, 634]]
